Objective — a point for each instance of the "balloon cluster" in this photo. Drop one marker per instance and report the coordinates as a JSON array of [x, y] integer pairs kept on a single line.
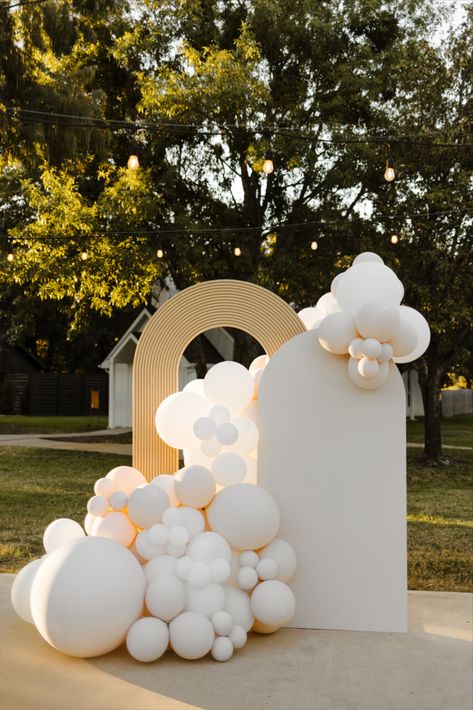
[[362, 316], [173, 562]]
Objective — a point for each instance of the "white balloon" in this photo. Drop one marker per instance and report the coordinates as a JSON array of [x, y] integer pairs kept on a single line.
[[334, 284], [336, 332], [163, 565], [158, 534], [249, 558], [367, 256], [166, 482], [183, 567], [115, 526], [204, 428], [191, 635], [173, 516], [60, 532], [259, 363], [205, 600], [354, 348], [165, 597], [273, 603], [386, 352], [211, 447], [367, 383], [147, 504], [145, 548], [229, 468], [256, 376], [222, 649], [118, 500], [260, 628], [175, 419], [247, 435], [237, 603], [193, 521], [283, 554], [220, 414], [126, 478], [178, 536], [89, 523], [219, 570], [86, 595], [199, 575], [219, 547], [371, 348], [104, 487], [246, 515], [196, 486], [327, 304], [267, 569], [251, 412], [21, 589], [97, 506], [175, 551], [195, 386], [222, 623], [196, 457], [310, 316], [368, 281], [229, 383], [227, 433], [238, 636], [148, 639], [417, 320], [135, 553], [247, 578], [368, 368], [378, 319], [251, 470], [405, 341]]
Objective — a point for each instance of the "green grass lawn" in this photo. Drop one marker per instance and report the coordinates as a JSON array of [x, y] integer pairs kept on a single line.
[[19, 424], [39, 485], [456, 431]]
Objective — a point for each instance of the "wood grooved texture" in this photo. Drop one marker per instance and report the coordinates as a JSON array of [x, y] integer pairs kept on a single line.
[[212, 304]]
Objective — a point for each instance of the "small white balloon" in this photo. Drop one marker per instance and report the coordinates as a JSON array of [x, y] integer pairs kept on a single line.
[[146, 505], [204, 428], [227, 433], [60, 532], [178, 536], [378, 319], [247, 436], [368, 368], [196, 486], [165, 597], [222, 623], [256, 377], [145, 547], [249, 558], [115, 526], [229, 468], [183, 567], [259, 363], [158, 534], [229, 383], [367, 256], [354, 349], [89, 523], [175, 551], [267, 569], [172, 517], [97, 506], [273, 603], [219, 570], [405, 341], [247, 578], [195, 457], [192, 635], [371, 348], [195, 386], [126, 478], [367, 382], [104, 487], [238, 636], [166, 482], [336, 332], [118, 500], [164, 565], [220, 414], [147, 639], [420, 325], [21, 589], [237, 603], [210, 546], [205, 600], [222, 649], [311, 316], [193, 521], [386, 352], [175, 419], [328, 304], [199, 575], [211, 447], [283, 554]]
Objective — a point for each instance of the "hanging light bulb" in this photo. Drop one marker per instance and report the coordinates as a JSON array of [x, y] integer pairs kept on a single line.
[[10, 256], [268, 165], [314, 246], [84, 256], [389, 172], [160, 253], [237, 251], [133, 162], [394, 239]]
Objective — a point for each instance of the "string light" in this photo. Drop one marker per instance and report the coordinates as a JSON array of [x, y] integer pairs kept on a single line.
[[389, 174], [160, 253], [237, 251], [314, 246], [133, 162], [268, 165], [84, 256], [10, 256], [394, 239]]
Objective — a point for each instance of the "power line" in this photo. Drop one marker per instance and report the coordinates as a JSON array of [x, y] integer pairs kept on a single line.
[[7, 5], [90, 122]]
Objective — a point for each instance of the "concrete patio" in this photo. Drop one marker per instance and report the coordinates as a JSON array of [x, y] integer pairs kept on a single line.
[[430, 668]]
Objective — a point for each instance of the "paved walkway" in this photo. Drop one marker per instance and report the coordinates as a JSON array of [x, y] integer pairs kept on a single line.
[[430, 668]]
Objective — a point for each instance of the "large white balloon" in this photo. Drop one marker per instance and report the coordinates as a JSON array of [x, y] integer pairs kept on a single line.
[[378, 319], [176, 416], [245, 514], [367, 383], [405, 341], [159, 566], [126, 478], [195, 486], [147, 504], [368, 281], [327, 304], [367, 256], [86, 595], [192, 635], [165, 597], [21, 589], [229, 468], [283, 554], [273, 603], [115, 526], [237, 603], [229, 383], [336, 332], [147, 639], [61, 531], [420, 325], [310, 316]]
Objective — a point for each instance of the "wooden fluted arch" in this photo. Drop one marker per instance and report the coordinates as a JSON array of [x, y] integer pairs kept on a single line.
[[213, 304]]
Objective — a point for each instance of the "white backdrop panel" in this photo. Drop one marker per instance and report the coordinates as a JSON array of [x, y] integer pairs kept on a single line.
[[333, 457]]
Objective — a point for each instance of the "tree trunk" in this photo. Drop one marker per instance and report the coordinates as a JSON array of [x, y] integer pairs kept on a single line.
[[430, 380]]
